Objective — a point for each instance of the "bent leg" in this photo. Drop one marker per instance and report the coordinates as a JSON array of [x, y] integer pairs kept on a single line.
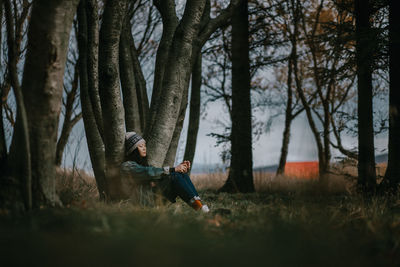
[[183, 188], [190, 184]]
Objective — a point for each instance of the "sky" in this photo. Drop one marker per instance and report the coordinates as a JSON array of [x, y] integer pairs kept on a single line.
[[266, 149]]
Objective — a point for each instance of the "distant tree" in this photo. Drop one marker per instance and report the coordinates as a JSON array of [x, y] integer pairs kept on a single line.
[[240, 177], [392, 175], [364, 51], [291, 28]]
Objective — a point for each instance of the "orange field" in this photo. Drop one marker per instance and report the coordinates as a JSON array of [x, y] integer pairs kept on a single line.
[[306, 169]]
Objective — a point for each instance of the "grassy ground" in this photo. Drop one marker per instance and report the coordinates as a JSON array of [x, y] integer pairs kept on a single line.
[[286, 223]]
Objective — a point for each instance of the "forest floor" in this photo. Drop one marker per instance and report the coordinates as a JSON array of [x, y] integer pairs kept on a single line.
[[287, 223]]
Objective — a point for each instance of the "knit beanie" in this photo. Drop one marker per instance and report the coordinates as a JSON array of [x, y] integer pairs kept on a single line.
[[132, 141]]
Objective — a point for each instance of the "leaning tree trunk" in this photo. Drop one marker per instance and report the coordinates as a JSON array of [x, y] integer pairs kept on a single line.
[[42, 84], [288, 115], [240, 177], [170, 22], [109, 88], [392, 175], [176, 77], [128, 83], [87, 22], [173, 146], [20, 158], [194, 111], [366, 153]]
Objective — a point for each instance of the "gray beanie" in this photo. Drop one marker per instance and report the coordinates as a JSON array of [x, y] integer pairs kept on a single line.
[[132, 141]]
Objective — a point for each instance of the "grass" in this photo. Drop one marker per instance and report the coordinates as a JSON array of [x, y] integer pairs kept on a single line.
[[288, 222]]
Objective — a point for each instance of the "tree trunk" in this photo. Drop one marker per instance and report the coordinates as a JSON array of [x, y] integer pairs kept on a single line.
[[20, 158], [327, 142], [288, 115], [194, 112], [42, 85], [240, 177], [140, 83], [93, 62], [3, 146], [392, 175], [176, 77], [128, 83], [366, 153], [173, 147], [170, 22], [94, 141], [109, 88]]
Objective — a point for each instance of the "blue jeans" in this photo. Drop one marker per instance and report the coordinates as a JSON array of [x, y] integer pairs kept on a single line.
[[178, 184]]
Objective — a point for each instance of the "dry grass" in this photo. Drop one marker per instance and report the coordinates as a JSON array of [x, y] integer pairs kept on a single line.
[[75, 187], [268, 182], [288, 222]]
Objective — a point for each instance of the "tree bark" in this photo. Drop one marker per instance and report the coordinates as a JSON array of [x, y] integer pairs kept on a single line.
[[176, 77], [170, 22], [128, 81], [140, 83], [110, 97], [173, 146], [93, 62], [93, 137], [194, 112], [42, 85], [392, 175], [3, 146], [366, 153], [240, 177]]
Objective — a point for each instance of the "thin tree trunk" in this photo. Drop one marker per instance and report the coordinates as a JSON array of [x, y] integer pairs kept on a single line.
[[392, 175], [20, 158], [196, 51], [288, 116], [170, 22], [140, 83], [111, 103], [366, 153], [69, 122], [128, 83], [94, 141], [240, 177], [194, 112], [173, 147], [176, 77], [93, 61]]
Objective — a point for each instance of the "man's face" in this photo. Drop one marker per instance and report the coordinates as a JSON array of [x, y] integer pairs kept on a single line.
[[142, 150]]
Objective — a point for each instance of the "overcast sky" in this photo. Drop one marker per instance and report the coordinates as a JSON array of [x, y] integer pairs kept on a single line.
[[266, 150]]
